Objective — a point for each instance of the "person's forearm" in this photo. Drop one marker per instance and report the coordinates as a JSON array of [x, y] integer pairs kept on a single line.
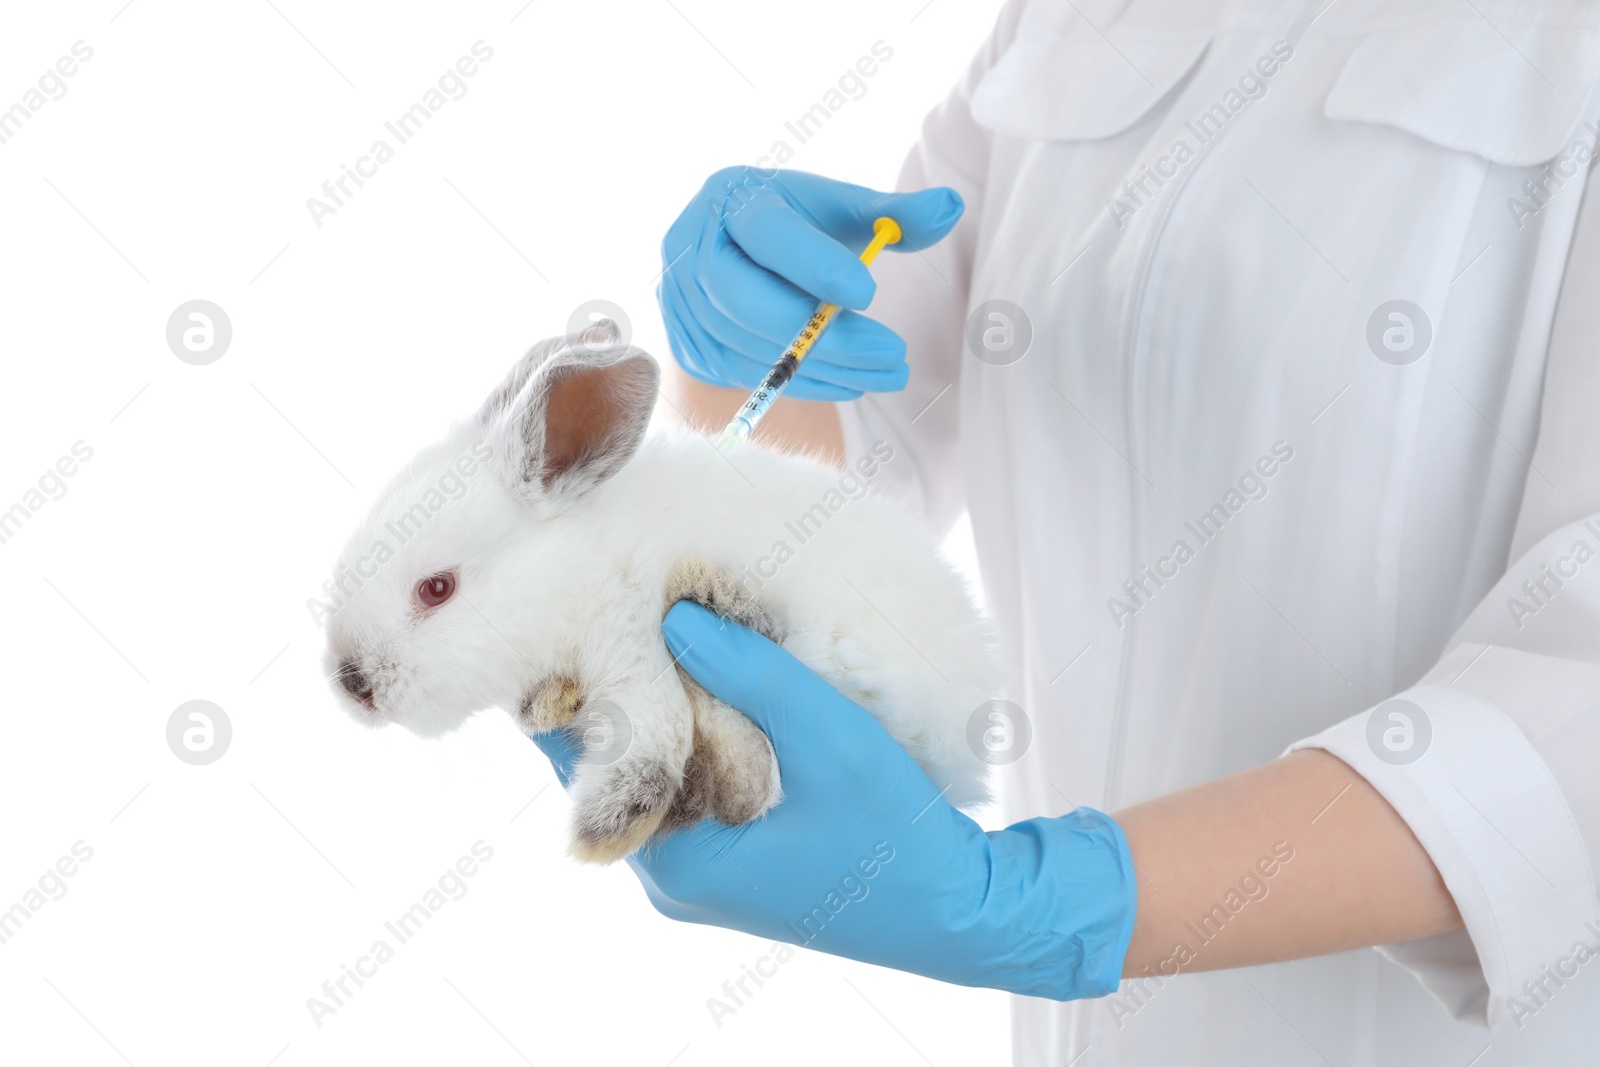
[[793, 426], [1299, 857]]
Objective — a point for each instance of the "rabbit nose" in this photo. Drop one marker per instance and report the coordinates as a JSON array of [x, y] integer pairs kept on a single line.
[[354, 682]]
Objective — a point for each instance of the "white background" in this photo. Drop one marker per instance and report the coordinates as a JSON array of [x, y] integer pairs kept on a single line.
[[178, 563]]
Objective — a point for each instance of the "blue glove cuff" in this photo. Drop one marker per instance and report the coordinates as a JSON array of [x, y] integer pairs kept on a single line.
[[1066, 890]]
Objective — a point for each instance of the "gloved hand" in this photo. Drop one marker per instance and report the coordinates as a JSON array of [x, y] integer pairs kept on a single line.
[[749, 258], [864, 858]]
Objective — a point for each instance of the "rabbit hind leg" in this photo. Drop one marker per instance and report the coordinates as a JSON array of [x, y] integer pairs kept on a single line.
[[733, 772]]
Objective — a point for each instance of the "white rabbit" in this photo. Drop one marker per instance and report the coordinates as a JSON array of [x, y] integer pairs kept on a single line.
[[527, 559]]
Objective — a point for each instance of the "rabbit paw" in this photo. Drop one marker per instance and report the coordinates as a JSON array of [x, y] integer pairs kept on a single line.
[[693, 800], [700, 580], [740, 763], [617, 806], [732, 772], [735, 776], [551, 705]]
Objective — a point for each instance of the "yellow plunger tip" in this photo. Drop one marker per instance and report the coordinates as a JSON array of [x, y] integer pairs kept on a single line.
[[887, 226]]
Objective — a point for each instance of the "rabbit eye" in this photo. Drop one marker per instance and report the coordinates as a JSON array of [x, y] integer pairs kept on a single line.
[[436, 589]]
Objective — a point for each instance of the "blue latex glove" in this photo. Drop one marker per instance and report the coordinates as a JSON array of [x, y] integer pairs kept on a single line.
[[864, 858], [749, 258]]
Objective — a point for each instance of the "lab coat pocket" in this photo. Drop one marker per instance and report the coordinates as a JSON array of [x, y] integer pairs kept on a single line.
[[1514, 91], [1077, 70]]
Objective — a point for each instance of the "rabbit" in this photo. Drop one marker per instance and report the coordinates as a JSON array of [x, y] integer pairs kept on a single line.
[[526, 562]]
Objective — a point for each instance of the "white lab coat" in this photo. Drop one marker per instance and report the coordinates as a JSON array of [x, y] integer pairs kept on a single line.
[[1199, 320]]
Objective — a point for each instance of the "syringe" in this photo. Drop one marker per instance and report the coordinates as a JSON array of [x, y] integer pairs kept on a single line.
[[885, 231]]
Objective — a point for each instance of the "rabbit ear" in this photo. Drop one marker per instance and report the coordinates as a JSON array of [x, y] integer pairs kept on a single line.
[[603, 334], [579, 414]]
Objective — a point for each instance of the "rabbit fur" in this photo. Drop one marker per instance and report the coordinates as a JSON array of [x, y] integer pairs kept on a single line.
[[566, 532]]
